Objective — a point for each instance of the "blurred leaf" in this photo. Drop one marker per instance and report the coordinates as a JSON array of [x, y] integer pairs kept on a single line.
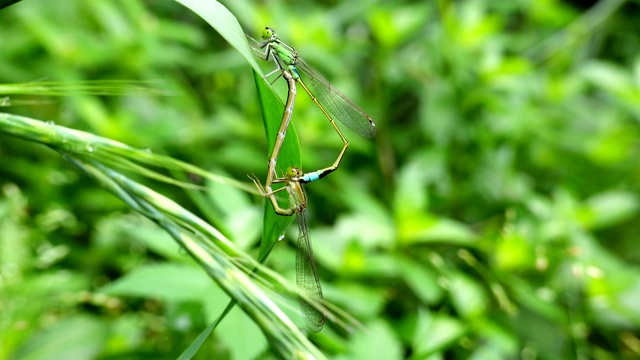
[[614, 290], [468, 296], [236, 329], [393, 24], [233, 212], [170, 282], [197, 343], [513, 252], [424, 228], [435, 332], [607, 209], [411, 191], [77, 337], [607, 76], [14, 232], [378, 342], [498, 342], [422, 280], [357, 298], [118, 229], [539, 301]]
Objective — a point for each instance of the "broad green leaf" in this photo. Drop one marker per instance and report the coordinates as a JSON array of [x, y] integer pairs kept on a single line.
[[468, 296], [435, 332], [79, 337], [225, 23], [610, 208], [272, 109], [422, 281], [378, 342], [170, 282], [425, 228]]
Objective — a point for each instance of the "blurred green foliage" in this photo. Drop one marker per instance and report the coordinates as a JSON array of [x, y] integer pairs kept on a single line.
[[495, 215]]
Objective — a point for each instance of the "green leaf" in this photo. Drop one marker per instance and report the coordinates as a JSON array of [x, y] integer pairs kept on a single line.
[[610, 208], [272, 109], [468, 297], [195, 345], [435, 332], [79, 337], [422, 280], [170, 282], [378, 342], [425, 228], [225, 23]]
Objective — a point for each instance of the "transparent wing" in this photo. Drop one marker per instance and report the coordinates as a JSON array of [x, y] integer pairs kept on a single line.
[[337, 104], [307, 276]]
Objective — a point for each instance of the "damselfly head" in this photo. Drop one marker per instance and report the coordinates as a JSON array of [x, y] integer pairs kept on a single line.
[[293, 172], [268, 33]]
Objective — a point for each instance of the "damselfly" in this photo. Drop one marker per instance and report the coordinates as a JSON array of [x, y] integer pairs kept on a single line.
[[329, 100], [306, 272]]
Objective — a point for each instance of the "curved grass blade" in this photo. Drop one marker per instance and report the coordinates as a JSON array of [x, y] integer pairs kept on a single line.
[[225, 23], [222, 260], [116, 154], [85, 87]]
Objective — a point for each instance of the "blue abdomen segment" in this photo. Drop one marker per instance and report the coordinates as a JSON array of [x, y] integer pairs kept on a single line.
[[316, 175], [294, 71]]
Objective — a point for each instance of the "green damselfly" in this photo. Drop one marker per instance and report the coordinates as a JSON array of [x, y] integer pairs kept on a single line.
[[307, 278], [337, 105], [332, 102]]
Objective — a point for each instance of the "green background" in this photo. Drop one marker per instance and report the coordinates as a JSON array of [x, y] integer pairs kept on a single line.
[[494, 216]]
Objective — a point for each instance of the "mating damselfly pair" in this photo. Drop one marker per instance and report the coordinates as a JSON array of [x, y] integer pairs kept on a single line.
[[333, 104]]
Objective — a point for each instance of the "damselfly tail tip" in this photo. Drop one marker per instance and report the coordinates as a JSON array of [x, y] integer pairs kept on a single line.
[[372, 134]]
